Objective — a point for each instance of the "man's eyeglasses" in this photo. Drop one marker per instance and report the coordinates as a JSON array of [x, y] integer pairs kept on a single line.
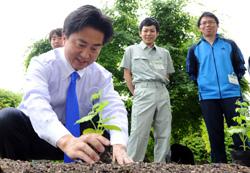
[[207, 23]]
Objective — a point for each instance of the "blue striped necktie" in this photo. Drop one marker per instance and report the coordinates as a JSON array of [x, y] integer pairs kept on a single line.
[[72, 111]]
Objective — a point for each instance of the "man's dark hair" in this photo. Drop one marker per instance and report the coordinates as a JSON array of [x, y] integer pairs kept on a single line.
[[57, 31], [149, 21], [249, 65], [85, 16], [207, 14]]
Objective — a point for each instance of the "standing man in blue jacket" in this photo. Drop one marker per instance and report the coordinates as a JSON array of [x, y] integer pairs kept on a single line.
[[217, 65]]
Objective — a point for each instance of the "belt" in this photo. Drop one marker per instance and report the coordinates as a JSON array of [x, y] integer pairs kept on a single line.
[[150, 84]]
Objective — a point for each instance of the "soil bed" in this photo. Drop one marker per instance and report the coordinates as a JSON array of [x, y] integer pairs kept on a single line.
[[10, 166]]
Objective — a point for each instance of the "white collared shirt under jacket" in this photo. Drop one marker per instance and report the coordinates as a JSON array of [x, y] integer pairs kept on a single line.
[[45, 89]]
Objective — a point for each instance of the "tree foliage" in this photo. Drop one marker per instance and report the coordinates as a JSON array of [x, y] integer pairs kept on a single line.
[[37, 48], [9, 99], [125, 27]]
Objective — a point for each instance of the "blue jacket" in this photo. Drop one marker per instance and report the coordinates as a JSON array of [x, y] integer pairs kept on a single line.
[[210, 66]]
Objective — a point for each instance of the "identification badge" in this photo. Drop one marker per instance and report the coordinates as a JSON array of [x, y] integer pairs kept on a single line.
[[158, 65], [233, 79]]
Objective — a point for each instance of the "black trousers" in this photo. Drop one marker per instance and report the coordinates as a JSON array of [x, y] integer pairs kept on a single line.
[[19, 141], [213, 111]]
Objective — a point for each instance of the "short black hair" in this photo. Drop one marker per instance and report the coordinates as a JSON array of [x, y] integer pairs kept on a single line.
[[207, 14], [249, 65], [91, 16], [148, 22], [57, 31]]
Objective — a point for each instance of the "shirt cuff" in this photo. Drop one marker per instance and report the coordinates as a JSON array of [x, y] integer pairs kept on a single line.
[[55, 135], [118, 137]]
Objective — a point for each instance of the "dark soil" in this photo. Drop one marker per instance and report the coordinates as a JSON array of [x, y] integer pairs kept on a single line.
[[10, 166]]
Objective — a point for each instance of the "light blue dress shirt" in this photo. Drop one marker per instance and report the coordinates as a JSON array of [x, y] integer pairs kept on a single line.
[[45, 89]]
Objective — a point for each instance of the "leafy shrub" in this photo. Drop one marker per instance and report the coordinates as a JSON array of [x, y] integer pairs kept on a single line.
[[201, 154], [149, 156], [9, 99], [197, 145], [37, 48]]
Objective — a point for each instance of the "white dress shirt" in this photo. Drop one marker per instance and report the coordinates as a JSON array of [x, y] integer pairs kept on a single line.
[[45, 89]]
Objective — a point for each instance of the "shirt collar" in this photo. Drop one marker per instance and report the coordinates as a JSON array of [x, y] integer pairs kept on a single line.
[[144, 46], [68, 68], [217, 36]]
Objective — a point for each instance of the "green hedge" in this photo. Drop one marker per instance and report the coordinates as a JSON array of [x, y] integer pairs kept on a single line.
[[198, 142], [9, 98]]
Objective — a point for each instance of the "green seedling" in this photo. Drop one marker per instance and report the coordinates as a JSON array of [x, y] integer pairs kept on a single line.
[[243, 123], [97, 109]]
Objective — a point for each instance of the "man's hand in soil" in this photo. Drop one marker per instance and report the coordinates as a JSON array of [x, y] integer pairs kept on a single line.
[[120, 154], [81, 147]]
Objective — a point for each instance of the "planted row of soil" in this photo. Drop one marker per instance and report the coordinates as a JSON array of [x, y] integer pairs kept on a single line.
[[11, 166]]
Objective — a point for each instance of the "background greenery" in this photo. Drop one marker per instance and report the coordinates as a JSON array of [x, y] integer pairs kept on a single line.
[[177, 32], [9, 99]]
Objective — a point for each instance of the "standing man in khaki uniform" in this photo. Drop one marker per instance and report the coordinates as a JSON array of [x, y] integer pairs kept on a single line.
[[146, 71]]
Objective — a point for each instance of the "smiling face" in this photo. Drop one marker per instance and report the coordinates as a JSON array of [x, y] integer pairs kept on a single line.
[[56, 41], [208, 27], [82, 48], [149, 35]]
